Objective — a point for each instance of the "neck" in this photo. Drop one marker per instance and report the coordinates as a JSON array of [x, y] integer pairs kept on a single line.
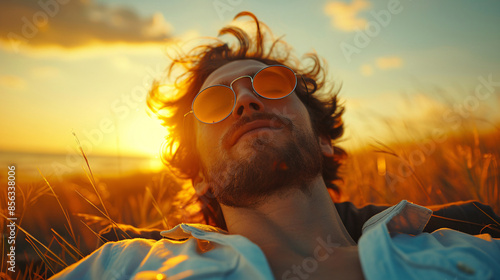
[[293, 223]]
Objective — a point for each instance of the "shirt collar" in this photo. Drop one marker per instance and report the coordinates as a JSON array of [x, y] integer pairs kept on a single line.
[[184, 231], [404, 217]]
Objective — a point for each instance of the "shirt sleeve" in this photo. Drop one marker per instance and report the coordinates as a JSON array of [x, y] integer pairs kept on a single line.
[[392, 247], [189, 253], [113, 260]]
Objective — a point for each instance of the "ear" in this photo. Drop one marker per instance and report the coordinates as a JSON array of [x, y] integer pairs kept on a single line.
[[200, 185], [325, 143]]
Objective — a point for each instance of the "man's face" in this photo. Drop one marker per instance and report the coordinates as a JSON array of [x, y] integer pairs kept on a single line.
[[264, 147]]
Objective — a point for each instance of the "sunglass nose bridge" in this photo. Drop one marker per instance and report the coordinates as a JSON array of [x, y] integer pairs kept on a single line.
[[239, 78]]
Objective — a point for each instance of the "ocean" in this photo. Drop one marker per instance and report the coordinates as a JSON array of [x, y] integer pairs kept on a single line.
[[29, 165]]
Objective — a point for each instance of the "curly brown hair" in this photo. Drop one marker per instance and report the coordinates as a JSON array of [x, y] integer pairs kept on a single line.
[[179, 151]]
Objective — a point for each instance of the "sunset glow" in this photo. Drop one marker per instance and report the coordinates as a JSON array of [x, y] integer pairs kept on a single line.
[[86, 66]]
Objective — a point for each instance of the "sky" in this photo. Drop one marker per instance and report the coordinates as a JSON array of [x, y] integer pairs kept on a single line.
[[84, 67]]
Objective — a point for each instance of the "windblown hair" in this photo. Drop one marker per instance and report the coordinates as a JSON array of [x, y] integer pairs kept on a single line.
[[179, 151]]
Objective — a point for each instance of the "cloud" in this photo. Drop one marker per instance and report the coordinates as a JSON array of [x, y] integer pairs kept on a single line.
[[12, 82], [389, 62], [74, 24], [381, 63], [345, 17]]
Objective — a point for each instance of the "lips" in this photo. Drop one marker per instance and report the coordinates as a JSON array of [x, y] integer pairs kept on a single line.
[[251, 126]]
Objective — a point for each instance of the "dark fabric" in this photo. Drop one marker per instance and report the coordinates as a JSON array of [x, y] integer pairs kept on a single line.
[[127, 231], [469, 217], [354, 218]]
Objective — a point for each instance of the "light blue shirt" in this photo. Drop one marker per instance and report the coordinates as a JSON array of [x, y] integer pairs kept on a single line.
[[392, 247]]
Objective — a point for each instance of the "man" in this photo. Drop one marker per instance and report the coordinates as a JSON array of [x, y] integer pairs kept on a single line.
[[257, 145]]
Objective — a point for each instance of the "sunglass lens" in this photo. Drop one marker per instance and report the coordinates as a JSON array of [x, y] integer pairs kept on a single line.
[[213, 104], [274, 82]]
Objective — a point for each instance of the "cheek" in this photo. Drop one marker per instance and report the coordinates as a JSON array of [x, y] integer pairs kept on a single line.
[[297, 112], [207, 141], [202, 145]]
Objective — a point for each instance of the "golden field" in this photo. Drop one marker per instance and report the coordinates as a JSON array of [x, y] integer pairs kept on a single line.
[[63, 217]]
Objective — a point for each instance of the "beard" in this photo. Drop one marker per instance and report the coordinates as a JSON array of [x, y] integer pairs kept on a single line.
[[263, 168]]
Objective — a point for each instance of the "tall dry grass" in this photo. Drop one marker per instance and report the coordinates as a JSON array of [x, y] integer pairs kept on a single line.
[[461, 168], [59, 221]]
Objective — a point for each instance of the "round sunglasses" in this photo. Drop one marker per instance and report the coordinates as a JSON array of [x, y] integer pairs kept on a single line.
[[215, 103]]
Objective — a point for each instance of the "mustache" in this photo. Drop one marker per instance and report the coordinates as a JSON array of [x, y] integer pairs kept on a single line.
[[278, 121]]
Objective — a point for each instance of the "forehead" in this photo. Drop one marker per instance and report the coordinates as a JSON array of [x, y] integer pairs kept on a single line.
[[233, 70]]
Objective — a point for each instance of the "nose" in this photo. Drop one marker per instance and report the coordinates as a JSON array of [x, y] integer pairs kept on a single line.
[[247, 102]]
